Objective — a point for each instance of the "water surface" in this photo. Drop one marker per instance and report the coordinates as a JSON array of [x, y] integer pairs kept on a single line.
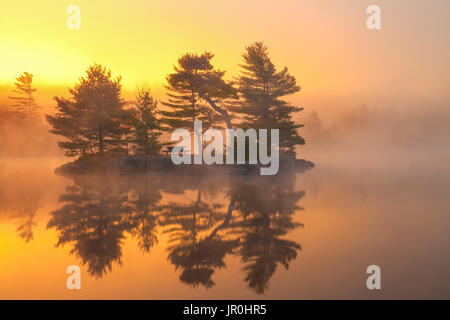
[[311, 235]]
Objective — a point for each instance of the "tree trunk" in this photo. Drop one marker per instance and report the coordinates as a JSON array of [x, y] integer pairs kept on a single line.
[[223, 112]]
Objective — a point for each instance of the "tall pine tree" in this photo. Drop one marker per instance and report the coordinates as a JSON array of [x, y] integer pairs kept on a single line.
[[191, 89], [93, 119], [261, 88], [23, 101]]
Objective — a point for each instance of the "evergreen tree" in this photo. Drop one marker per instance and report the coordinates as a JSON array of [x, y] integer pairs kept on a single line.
[[182, 90], [314, 122], [194, 82], [93, 119], [146, 124], [23, 102], [315, 130], [261, 88]]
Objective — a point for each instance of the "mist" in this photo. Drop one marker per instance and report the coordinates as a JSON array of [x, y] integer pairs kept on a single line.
[[396, 138]]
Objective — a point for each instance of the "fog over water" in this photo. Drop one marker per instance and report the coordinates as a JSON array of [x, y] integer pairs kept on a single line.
[[378, 195]]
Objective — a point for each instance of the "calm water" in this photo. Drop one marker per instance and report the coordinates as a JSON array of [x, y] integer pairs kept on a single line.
[[153, 237]]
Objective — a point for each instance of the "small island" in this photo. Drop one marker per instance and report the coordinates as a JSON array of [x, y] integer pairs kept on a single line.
[[107, 135], [119, 165]]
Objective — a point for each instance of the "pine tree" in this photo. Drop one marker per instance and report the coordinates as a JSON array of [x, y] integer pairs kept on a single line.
[[93, 119], [193, 83], [147, 127], [314, 129], [23, 102], [261, 88]]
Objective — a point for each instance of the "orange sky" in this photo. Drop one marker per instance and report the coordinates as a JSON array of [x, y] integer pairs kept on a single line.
[[325, 43]]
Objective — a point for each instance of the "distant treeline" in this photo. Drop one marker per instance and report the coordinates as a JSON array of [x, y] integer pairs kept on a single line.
[[389, 136]]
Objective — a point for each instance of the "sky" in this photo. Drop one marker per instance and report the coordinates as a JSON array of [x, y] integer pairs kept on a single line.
[[324, 43]]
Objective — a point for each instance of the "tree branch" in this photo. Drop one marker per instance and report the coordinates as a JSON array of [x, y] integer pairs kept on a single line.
[[223, 112]]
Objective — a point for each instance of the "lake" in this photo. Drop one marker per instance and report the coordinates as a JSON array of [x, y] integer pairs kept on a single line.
[[304, 236]]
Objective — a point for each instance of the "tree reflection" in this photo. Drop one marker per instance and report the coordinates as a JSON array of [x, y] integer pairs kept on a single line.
[[25, 217], [144, 217], [204, 220], [92, 219], [266, 215], [191, 249], [27, 201]]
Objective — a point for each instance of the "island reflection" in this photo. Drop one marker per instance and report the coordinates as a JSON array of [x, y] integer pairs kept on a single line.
[[206, 219]]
